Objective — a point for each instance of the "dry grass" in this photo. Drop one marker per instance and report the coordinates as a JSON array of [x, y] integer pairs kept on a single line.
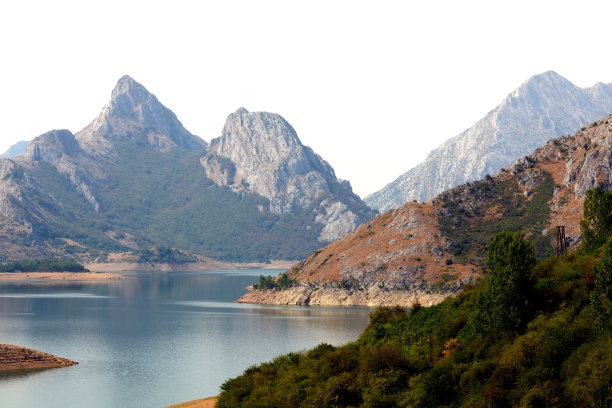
[[202, 403]]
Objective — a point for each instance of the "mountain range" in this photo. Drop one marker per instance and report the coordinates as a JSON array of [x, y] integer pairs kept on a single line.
[[425, 251], [136, 178], [543, 107]]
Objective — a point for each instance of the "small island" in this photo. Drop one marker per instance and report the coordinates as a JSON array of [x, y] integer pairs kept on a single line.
[[22, 358]]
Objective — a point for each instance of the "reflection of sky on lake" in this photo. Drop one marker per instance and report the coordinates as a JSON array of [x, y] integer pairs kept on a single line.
[[153, 339]]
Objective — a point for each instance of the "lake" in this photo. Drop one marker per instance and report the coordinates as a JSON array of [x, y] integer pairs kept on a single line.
[[153, 339]]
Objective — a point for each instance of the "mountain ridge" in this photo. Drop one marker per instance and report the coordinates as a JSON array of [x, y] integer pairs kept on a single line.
[[134, 178], [545, 106]]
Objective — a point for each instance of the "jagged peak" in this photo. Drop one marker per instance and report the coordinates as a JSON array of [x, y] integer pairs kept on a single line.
[[242, 111], [130, 93]]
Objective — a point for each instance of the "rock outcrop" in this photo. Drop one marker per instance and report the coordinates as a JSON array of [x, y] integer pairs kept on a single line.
[[21, 358], [544, 107], [260, 152]]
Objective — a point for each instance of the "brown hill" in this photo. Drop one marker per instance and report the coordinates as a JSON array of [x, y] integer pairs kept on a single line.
[[427, 251]]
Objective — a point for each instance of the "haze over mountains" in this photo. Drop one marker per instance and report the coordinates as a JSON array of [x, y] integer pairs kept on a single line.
[[17, 149], [543, 107], [135, 177]]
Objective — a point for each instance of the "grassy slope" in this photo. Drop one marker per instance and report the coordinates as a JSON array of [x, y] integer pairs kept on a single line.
[[431, 357]]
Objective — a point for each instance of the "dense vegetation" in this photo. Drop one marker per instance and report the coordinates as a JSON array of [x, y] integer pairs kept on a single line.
[[532, 335], [466, 224], [43, 265], [163, 254], [163, 198], [267, 282]]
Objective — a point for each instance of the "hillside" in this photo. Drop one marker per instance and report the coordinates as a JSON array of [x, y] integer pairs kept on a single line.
[[428, 250], [135, 178], [545, 106], [464, 352]]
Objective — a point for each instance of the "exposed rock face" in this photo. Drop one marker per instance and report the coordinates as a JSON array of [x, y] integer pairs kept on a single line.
[[17, 149], [422, 250], [260, 152], [332, 295], [131, 112], [544, 107]]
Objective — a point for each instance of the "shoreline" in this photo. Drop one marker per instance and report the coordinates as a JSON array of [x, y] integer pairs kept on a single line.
[[49, 276], [372, 296], [118, 270], [118, 267], [16, 358]]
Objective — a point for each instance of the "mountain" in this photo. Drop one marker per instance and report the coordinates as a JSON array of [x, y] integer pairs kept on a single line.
[[260, 152], [544, 107], [426, 251], [17, 149], [135, 178]]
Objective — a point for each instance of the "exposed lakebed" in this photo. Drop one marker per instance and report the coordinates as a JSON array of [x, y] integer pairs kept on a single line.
[[153, 339]]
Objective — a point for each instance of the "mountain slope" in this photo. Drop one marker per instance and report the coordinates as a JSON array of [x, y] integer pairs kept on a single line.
[[426, 251], [136, 178], [544, 107], [17, 149], [260, 152]]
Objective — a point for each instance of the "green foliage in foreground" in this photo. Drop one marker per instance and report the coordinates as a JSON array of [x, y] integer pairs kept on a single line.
[[596, 224], [434, 357], [43, 265]]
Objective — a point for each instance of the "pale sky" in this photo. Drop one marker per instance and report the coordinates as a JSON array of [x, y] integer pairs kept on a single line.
[[371, 86]]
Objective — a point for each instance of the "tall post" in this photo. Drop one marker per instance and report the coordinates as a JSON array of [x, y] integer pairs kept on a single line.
[[560, 241]]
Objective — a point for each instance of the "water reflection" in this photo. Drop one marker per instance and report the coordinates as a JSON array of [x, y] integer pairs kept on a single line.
[[153, 339]]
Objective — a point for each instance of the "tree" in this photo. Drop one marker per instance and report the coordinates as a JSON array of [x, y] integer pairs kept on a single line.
[[596, 223], [601, 296], [504, 301]]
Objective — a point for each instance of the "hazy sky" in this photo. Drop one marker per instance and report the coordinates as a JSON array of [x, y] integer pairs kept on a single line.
[[370, 86]]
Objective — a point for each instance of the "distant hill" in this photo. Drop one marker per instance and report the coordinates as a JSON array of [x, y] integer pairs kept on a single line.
[[136, 178], [544, 107], [426, 251], [17, 149]]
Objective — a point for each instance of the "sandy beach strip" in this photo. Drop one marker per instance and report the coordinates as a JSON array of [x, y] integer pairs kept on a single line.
[[201, 403], [49, 276]]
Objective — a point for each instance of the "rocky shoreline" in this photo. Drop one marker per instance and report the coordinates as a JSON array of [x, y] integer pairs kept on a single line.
[[374, 295], [22, 358]]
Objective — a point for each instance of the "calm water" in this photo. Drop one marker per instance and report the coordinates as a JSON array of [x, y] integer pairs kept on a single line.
[[153, 339]]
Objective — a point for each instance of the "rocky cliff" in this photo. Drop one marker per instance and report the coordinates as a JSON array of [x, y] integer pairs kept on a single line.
[[260, 152], [544, 107], [423, 250]]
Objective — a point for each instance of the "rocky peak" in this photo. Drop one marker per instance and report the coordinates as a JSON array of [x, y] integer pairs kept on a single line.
[[132, 111], [543, 107], [260, 152]]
